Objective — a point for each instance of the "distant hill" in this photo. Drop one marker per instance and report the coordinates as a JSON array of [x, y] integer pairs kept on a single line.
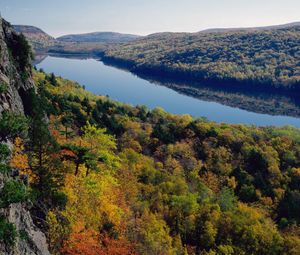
[[80, 43], [220, 30], [99, 37], [259, 57], [265, 58], [39, 39]]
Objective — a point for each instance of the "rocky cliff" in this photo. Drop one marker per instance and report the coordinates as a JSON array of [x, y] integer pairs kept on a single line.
[[15, 82]]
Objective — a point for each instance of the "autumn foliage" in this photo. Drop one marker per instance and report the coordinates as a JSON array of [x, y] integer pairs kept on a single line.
[[89, 242], [127, 180], [19, 160]]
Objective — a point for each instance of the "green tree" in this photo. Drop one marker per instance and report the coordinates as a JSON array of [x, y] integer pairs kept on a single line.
[[12, 125], [153, 236]]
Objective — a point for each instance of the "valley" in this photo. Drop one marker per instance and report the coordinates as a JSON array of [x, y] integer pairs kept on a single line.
[[167, 143]]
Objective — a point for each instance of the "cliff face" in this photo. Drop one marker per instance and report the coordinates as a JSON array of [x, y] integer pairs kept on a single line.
[[10, 73], [15, 81]]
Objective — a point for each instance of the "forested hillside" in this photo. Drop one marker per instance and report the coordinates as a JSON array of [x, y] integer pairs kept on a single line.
[[109, 178], [267, 59], [257, 58], [39, 40], [89, 43]]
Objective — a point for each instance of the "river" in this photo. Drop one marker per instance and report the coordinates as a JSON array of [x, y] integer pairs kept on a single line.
[[128, 88]]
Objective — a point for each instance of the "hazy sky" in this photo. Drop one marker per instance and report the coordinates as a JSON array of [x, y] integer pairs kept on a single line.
[[58, 17]]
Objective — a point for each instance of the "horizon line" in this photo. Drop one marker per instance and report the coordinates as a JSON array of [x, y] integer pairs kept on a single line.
[[160, 32]]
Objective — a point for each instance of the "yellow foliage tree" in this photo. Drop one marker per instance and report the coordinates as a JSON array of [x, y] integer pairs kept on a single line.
[[19, 160], [92, 200]]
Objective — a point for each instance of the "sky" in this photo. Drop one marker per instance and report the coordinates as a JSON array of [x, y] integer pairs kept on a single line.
[[60, 17]]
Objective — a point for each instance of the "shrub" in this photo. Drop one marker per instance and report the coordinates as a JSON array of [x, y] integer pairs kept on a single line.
[[59, 199], [11, 126], [8, 232], [12, 192], [52, 79], [4, 152], [24, 235], [4, 169], [3, 87]]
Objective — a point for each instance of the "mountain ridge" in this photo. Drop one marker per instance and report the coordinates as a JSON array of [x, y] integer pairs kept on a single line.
[[259, 28], [100, 37], [67, 38], [42, 42]]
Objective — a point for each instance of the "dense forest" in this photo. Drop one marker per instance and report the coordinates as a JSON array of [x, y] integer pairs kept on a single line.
[[267, 59], [101, 177], [108, 178]]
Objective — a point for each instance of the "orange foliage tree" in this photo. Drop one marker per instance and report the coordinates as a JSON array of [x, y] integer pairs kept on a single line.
[[86, 243], [90, 243]]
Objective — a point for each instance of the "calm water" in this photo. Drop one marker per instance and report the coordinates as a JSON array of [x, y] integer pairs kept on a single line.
[[128, 88]]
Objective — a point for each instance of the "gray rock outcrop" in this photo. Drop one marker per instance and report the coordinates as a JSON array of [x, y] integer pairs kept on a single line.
[[14, 86]]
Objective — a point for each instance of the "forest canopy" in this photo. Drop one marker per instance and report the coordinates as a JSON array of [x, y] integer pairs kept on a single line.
[[110, 178], [268, 59]]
